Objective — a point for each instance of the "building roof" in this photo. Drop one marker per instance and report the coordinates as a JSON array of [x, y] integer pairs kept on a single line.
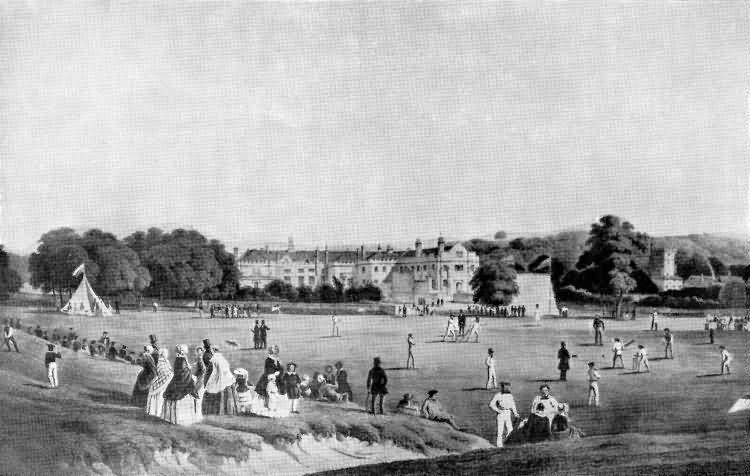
[[295, 256], [383, 256]]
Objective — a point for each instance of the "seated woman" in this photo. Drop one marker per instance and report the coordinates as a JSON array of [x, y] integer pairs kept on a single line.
[[247, 399], [538, 426], [305, 386], [328, 393], [408, 406]]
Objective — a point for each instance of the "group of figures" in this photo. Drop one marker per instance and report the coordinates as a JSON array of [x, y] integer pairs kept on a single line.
[[185, 392], [456, 328], [231, 311]]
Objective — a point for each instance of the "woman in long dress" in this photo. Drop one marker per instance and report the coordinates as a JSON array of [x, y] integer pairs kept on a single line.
[[199, 371], [247, 400], [144, 379], [220, 397], [271, 366], [181, 398], [155, 403]]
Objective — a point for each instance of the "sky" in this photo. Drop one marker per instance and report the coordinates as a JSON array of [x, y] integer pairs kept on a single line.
[[353, 122]]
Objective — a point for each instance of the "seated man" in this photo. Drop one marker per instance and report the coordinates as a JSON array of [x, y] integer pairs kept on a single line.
[[408, 406], [327, 392], [432, 410]]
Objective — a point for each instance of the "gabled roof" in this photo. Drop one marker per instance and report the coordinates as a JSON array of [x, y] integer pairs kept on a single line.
[[273, 256]]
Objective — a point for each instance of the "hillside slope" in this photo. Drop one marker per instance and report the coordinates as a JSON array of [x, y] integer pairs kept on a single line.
[[87, 427]]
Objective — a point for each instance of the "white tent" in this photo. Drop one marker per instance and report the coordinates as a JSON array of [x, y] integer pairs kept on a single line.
[[85, 301]]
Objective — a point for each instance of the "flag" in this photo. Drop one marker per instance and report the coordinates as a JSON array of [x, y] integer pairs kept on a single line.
[[78, 270]]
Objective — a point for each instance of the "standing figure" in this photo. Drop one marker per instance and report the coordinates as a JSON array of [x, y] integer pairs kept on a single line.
[[50, 361], [711, 330], [256, 336], [505, 406], [199, 372], [410, 357], [342, 380], [726, 359], [537, 314], [641, 359], [617, 353], [263, 333], [145, 377], [594, 377], [181, 397], [668, 341], [655, 321], [451, 329], [377, 382], [292, 386], [490, 362], [8, 335], [563, 356], [473, 331], [461, 323], [335, 326], [220, 396], [598, 326], [329, 376], [164, 374]]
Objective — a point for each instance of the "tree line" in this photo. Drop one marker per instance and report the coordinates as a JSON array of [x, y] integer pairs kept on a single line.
[[324, 292], [177, 264]]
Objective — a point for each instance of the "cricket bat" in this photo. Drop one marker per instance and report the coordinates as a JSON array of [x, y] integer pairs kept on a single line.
[[631, 341]]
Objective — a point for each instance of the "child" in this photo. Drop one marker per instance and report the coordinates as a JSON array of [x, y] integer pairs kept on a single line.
[[50, 361], [594, 377], [726, 358], [490, 363], [292, 385]]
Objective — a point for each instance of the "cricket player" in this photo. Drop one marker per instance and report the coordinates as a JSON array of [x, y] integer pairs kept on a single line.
[[655, 321], [593, 384], [505, 406], [451, 329], [617, 353], [50, 361], [726, 359], [473, 331], [410, 342], [598, 326], [641, 358], [490, 362], [538, 316], [335, 326], [668, 341]]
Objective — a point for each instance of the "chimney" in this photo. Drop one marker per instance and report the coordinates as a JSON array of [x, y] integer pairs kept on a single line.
[[418, 247], [362, 252], [441, 245], [290, 247], [325, 256], [388, 249], [379, 248], [236, 252]]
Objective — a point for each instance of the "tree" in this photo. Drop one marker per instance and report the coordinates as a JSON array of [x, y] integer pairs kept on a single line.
[[500, 235], [494, 284], [10, 281], [607, 263], [230, 273], [733, 293], [720, 269], [281, 289], [326, 293], [691, 263], [120, 271], [305, 293]]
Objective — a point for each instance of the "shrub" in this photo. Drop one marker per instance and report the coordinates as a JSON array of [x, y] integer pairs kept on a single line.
[[733, 293], [573, 294]]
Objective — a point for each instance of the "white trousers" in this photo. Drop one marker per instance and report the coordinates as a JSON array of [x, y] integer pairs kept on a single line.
[[594, 393], [52, 374], [504, 427], [491, 378]]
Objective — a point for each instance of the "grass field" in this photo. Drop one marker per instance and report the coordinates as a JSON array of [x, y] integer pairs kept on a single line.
[[680, 396]]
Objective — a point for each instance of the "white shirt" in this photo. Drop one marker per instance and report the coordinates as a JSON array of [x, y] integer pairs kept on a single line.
[[642, 354], [503, 402], [490, 362], [725, 356], [8, 332], [550, 406], [617, 348], [593, 375]]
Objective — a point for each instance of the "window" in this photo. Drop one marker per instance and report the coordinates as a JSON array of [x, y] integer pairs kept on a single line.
[[311, 280], [433, 267], [288, 271], [287, 278], [301, 281], [311, 270], [459, 267], [363, 269], [459, 287], [301, 271], [460, 254], [376, 269], [446, 286]]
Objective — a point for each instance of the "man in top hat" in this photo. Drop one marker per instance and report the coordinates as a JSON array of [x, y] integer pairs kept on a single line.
[[505, 406], [377, 382], [50, 361], [432, 410]]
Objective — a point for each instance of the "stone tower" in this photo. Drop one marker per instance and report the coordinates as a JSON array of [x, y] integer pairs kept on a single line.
[[669, 268]]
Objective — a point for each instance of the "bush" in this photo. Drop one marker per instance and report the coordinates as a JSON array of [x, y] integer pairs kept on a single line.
[[711, 293], [281, 289], [733, 293], [689, 302]]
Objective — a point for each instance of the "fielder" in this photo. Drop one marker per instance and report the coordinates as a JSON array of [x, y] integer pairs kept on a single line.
[[473, 331], [490, 363], [593, 384], [726, 359], [451, 329], [505, 406]]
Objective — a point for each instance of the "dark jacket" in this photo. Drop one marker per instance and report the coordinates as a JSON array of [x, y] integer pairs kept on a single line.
[[377, 381], [182, 383], [564, 357]]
